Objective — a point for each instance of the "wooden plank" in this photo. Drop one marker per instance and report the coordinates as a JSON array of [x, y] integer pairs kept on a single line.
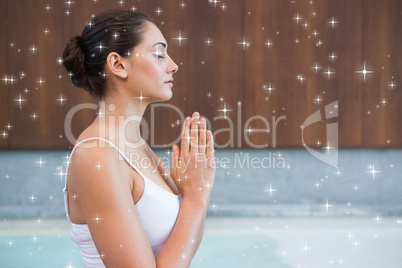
[[5, 86], [288, 39], [382, 43], [221, 73], [214, 67]]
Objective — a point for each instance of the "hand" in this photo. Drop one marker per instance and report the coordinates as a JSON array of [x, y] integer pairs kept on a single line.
[[193, 166]]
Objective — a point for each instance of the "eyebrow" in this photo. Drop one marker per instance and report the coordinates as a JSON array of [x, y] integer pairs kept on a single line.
[[160, 43]]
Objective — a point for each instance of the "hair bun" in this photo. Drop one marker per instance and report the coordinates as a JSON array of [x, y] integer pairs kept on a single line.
[[74, 62]]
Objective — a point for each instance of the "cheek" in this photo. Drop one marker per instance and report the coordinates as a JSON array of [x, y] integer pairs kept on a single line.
[[154, 70]]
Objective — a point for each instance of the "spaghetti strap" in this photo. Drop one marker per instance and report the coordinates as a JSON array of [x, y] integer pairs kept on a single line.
[[120, 152]]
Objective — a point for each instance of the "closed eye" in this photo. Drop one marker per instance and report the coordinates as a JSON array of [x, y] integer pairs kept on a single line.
[[159, 55]]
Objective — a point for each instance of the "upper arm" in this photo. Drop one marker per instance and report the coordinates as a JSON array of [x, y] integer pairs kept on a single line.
[[102, 185]]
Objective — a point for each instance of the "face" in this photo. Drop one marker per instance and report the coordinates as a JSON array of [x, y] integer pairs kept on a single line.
[[151, 69]]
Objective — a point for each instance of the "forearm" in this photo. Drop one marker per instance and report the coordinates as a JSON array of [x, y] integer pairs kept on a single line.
[[200, 232], [186, 235]]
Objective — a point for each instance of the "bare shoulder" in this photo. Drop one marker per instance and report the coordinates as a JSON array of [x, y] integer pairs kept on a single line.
[[95, 161]]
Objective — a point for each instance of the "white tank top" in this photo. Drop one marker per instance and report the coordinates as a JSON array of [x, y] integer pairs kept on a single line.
[[157, 210]]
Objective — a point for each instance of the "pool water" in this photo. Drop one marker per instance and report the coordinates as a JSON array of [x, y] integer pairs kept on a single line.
[[18, 251], [233, 242], [59, 251]]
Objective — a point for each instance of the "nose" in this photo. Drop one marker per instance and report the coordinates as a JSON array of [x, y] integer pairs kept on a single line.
[[172, 67]]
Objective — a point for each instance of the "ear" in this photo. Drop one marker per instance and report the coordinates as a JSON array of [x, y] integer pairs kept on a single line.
[[117, 65]]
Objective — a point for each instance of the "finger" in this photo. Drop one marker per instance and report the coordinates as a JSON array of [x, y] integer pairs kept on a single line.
[[174, 159], [194, 133], [185, 138], [184, 125], [210, 145], [202, 139]]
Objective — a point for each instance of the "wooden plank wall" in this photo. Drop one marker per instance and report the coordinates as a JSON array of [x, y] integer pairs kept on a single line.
[[255, 58]]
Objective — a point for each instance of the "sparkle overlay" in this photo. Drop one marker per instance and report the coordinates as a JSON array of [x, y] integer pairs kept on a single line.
[[271, 41]]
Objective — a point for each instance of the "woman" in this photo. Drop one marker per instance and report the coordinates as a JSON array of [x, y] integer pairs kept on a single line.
[[123, 214]]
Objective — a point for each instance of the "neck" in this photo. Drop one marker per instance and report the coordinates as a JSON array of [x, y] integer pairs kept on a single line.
[[120, 117]]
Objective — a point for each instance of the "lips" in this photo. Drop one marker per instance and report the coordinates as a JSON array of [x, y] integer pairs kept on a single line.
[[170, 81]]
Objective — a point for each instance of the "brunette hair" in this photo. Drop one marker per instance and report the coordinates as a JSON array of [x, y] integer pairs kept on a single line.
[[84, 56]]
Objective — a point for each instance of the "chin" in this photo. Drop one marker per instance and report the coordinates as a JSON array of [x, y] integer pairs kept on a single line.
[[169, 94], [163, 97]]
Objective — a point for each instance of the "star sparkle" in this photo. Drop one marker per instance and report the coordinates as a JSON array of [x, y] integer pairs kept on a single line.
[[329, 73], [224, 110], [356, 188], [319, 43], [97, 219], [4, 134], [297, 18], [270, 190], [305, 248], [269, 43], [332, 56], [180, 38], [333, 22], [364, 72], [182, 5], [349, 236], [61, 99], [215, 2], [208, 41], [69, 3], [60, 173], [34, 238], [316, 67], [244, 43], [301, 78], [317, 100], [32, 198], [33, 49], [40, 162], [391, 85], [141, 97], [40, 81], [34, 116], [328, 147], [268, 87], [327, 205], [100, 47], [373, 171], [69, 266], [158, 11], [20, 101], [377, 219], [8, 80], [99, 166]]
